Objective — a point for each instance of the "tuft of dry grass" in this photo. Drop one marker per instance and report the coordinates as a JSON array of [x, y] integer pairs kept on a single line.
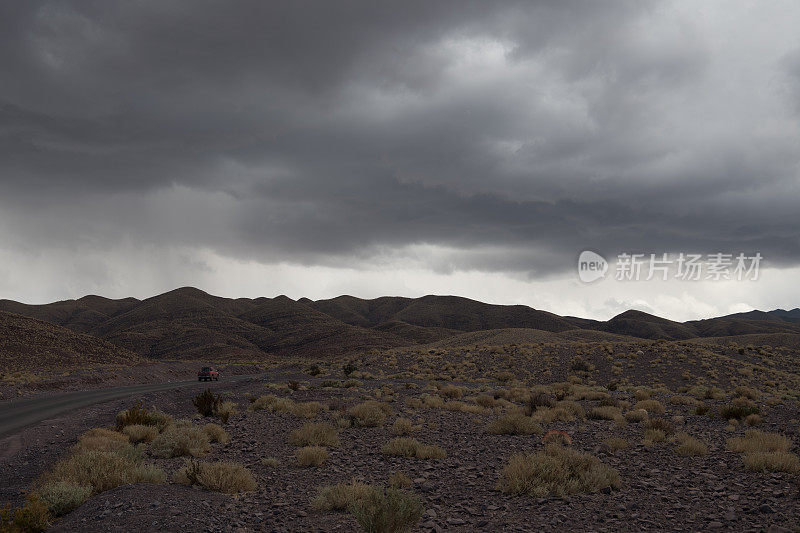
[[230, 478], [408, 447], [652, 436], [103, 470], [370, 413], [689, 446], [62, 497], [311, 455], [340, 496], [759, 441], [140, 433], [138, 415], [215, 433], [181, 439], [614, 444], [556, 471], [387, 511], [102, 440], [314, 434], [272, 462], [514, 424], [451, 392], [777, 461], [636, 415], [403, 426], [32, 517], [651, 406], [752, 420], [399, 480]]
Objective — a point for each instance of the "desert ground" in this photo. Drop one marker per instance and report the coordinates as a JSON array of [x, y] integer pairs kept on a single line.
[[581, 435]]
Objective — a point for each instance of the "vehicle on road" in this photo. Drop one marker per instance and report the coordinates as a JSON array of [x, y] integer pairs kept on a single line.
[[208, 373]]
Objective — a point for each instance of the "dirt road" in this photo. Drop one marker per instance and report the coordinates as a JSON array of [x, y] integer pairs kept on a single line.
[[18, 414]]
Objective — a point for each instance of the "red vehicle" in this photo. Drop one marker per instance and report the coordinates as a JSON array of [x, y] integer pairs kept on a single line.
[[208, 373]]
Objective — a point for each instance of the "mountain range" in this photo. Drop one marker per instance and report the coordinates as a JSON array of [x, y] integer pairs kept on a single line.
[[190, 324]]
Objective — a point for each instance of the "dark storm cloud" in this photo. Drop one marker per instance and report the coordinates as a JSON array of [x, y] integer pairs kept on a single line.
[[512, 134]]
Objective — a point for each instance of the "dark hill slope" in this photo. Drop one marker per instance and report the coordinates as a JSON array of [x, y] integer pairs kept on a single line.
[[30, 344]]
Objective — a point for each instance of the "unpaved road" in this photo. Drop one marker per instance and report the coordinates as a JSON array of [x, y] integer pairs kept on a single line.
[[18, 414]]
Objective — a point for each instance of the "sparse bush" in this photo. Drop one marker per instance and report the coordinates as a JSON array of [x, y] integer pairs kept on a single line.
[[738, 409], [387, 511], [641, 394], [408, 447], [207, 403], [293, 385], [311, 455], [370, 413], [339, 497], [225, 410], [747, 392], [636, 415], [216, 433], [651, 406], [307, 409], [313, 370], [539, 399], [230, 478], [102, 470], [555, 436], [403, 426], [578, 364], [349, 368], [514, 424], [451, 392], [140, 433], [62, 497], [689, 446], [759, 441], [614, 444], [752, 420], [314, 434], [776, 461], [606, 412], [556, 471], [138, 415], [104, 440], [181, 440], [661, 424], [272, 462], [32, 517], [652, 436], [399, 480]]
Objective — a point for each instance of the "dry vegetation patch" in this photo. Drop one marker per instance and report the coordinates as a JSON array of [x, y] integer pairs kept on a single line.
[[224, 477], [408, 447], [556, 471], [314, 434], [514, 424]]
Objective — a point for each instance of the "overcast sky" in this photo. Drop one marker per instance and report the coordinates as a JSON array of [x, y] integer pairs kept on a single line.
[[404, 148]]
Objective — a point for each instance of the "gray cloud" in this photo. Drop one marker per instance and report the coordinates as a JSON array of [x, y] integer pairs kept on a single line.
[[513, 134]]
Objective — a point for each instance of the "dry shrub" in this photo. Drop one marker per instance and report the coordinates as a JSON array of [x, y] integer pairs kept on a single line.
[[102, 470], [32, 517], [514, 424], [660, 424], [225, 410], [230, 478], [556, 436], [138, 415], [651, 406], [747, 392], [614, 444], [207, 402], [62, 497], [451, 392], [689, 446], [606, 412], [308, 409], [546, 415], [556, 471], [102, 440], [777, 461], [311, 455], [140, 433], [369, 413], [636, 415], [272, 462], [408, 447], [340, 496], [575, 408], [652, 436], [752, 420], [399, 480], [387, 511], [759, 441], [180, 440], [216, 433], [314, 434], [739, 408], [641, 394], [682, 400], [403, 426], [484, 400]]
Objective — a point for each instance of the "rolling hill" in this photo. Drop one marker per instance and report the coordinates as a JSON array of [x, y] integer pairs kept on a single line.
[[190, 324]]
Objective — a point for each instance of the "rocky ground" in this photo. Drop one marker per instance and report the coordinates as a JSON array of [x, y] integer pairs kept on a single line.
[[660, 490]]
